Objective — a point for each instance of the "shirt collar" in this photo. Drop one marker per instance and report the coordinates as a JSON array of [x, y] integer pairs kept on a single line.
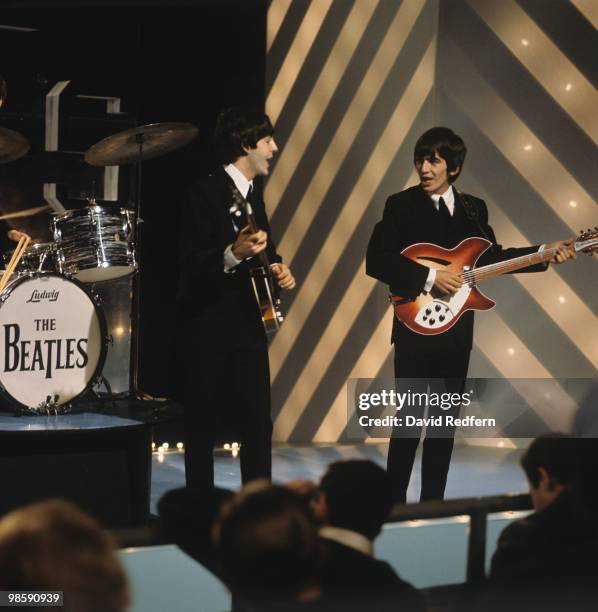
[[239, 179], [449, 199], [349, 538]]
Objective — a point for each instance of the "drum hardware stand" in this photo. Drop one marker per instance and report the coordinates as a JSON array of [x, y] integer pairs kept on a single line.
[[132, 147], [49, 407], [135, 393]]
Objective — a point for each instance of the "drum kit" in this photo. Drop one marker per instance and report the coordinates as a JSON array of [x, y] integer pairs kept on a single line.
[[54, 331]]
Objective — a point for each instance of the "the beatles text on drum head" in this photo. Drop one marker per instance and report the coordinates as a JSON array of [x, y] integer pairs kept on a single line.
[[51, 340]]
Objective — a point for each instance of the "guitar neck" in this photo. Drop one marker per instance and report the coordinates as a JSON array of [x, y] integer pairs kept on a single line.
[[478, 275], [254, 228]]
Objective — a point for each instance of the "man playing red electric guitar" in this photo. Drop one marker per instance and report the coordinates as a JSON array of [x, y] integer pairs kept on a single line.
[[434, 212]]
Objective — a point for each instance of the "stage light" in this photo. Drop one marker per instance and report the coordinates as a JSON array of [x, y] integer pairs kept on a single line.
[[165, 446], [235, 445], [179, 445], [525, 42], [573, 204], [160, 450], [511, 351], [227, 446], [527, 147], [153, 446], [119, 331]]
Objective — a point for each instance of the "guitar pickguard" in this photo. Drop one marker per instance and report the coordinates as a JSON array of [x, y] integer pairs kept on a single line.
[[439, 311]]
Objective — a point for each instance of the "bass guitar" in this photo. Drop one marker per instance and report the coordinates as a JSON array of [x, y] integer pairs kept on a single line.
[[267, 293], [431, 314]]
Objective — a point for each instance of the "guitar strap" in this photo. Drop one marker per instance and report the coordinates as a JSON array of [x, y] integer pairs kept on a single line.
[[471, 212]]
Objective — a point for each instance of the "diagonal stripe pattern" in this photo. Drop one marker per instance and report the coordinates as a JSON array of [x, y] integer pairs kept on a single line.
[[350, 110]]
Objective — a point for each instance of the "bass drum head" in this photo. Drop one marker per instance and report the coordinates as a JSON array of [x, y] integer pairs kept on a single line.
[[52, 340], [103, 273]]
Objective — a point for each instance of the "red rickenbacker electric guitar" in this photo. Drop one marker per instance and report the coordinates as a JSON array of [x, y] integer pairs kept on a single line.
[[264, 284], [431, 314]]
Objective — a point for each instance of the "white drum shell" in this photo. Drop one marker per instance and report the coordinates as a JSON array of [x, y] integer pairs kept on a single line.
[[95, 244]]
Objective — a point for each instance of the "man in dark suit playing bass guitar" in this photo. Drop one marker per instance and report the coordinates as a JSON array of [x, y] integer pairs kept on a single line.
[[433, 212], [227, 377]]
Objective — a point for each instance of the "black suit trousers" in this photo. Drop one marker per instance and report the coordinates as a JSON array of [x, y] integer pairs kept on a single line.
[[450, 365], [227, 389]]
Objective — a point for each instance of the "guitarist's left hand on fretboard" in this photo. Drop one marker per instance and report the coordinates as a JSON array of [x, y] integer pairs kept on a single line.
[[565, 250], [249, 244]]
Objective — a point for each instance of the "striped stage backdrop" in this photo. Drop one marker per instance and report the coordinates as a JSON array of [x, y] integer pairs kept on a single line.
[[351, 85]]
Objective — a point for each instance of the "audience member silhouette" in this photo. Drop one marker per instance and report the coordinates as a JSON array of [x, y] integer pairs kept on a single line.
[[353, 502], [548, 559], [55, 546]]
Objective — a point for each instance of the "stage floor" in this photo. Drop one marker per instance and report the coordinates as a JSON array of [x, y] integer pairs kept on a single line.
[[474, 471]]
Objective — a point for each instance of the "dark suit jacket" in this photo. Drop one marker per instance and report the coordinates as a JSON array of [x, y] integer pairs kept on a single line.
[[186, 518], [547, 561], [350, 576], [410, 217], [222, 305]]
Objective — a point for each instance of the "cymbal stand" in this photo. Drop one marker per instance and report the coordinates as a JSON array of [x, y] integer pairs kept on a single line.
[[135, 392]]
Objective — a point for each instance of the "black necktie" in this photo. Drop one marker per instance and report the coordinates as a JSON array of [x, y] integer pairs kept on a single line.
[[443, 210]]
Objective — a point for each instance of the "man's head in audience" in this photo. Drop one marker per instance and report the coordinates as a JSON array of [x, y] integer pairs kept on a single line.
[[551, 465], [268, 545], [355, 495], [54, 546]]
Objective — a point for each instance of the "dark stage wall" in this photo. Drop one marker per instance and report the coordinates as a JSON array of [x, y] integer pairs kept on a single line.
[[167, 62]]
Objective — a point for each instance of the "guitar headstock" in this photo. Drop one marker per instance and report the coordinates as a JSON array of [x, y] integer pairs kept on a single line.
[[239, 203], [587, 242]]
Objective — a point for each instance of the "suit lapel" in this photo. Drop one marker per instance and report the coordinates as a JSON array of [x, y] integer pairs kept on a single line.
[[222, 203]]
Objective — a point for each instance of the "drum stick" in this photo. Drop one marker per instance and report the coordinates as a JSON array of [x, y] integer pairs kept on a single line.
[[24, 213], [14, 260]]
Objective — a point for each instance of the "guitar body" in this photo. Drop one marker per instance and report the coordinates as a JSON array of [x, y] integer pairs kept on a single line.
[[430, 314], [264, 286], [266, 295]]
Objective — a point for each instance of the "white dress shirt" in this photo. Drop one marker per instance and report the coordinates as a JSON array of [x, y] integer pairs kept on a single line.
[[449, 199], [349, 538]]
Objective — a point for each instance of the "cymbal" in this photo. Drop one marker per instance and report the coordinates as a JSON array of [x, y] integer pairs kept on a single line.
[[12, 145], [157, 139]]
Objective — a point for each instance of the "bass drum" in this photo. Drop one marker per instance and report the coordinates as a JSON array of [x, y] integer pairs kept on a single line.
[[53, 342]]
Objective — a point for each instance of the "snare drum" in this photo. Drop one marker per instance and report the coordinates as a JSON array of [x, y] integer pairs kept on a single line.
[[53, 340], [95, 244], [39, 257]]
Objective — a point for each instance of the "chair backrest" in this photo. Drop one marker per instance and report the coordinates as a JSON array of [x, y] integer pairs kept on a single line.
[[165, 578], [433, 552]]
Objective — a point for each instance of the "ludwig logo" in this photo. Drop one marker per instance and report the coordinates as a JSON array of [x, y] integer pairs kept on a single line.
[[38, 296]]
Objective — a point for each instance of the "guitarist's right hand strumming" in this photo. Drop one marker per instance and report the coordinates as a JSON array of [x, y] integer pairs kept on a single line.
[[249, 243], [447, 282]]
